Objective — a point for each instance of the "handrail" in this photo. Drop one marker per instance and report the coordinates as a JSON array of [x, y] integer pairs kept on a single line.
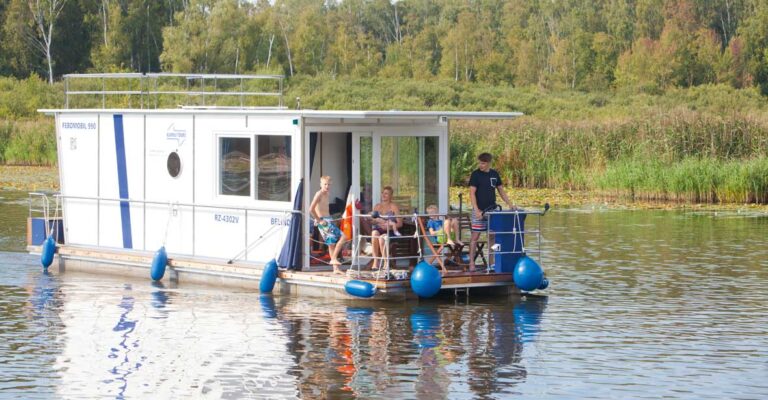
[[357, 237], [148, 87], [178, 204], [171, 204], [45, 209], [386, 268]]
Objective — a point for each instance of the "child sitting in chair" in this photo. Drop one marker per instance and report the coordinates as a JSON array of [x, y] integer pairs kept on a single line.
[[437, 233]]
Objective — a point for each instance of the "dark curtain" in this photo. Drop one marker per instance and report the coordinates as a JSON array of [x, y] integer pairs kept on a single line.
[[290, 254]]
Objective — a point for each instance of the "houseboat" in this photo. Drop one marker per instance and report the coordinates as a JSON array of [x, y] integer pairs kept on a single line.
[[220, 179]]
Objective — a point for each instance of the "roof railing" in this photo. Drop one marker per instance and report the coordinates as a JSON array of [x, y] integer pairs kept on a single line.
[[155, 90]]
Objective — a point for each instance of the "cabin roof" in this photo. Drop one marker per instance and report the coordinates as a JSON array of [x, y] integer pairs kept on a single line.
[[310, 115]]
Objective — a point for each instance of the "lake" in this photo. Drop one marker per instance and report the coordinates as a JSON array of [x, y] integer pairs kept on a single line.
[[642, 304]]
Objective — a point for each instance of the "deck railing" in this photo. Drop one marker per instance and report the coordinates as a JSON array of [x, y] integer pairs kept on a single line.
[[169, 90], [530, 240], [174, 207]]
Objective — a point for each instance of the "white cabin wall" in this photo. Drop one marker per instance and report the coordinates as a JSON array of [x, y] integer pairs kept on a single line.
[[215, 238], [78, 137], [225, 232], [272, 227], [167, 134], [116, 230]]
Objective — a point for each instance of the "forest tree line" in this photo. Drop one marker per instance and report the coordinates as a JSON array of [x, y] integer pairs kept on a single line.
[[588, 45]]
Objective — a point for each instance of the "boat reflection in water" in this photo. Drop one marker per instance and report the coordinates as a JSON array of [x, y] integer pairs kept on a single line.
[[430, 350], [139, 339]]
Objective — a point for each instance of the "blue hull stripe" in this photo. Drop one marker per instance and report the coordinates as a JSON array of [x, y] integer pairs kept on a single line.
[[122, 180]]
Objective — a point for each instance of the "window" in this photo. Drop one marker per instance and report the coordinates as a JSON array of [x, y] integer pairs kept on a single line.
[[273, 169], [235, 166], [173, 164]]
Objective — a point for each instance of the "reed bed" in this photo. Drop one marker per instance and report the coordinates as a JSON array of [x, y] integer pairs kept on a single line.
[[28, 142], [680, 155]]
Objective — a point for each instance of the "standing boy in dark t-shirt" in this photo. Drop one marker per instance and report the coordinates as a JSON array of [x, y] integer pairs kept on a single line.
[[483, 184]]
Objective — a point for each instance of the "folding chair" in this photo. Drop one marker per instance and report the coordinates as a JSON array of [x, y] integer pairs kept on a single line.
[[456, 252], [436, 254]]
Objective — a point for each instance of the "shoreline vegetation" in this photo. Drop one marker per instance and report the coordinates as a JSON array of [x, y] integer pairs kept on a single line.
[[706, 144]]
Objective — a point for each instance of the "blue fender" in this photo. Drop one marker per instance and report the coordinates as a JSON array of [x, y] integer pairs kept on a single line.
[[426, 280], [159, 262], [528, 275], [360, 288], [544, 284], [268, 277], [49, 249]]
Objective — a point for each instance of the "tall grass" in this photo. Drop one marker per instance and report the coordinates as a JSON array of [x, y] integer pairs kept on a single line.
[[700, 180], [676, 155], [28, 142]]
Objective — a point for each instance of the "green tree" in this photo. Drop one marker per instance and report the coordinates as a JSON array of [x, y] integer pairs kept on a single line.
[[133, 37], [754, 32], [648, 66], [310, 40], [649, 20], [210, 37], [45, 15], [353, 51], [461, 47], [17, 26], [605, 53]]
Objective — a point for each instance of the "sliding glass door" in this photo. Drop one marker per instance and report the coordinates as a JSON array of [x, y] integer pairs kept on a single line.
[[409, 164]]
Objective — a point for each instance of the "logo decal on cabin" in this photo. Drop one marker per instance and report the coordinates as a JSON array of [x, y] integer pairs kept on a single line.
[[179, 135]]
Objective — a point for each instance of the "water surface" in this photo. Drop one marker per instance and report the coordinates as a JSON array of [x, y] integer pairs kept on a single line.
[[643, 304]]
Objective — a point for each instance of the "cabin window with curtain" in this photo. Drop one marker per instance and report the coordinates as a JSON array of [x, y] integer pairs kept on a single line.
[[235, 166], [273, 167]]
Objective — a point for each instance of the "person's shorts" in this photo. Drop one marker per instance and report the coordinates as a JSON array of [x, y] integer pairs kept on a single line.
[[479, 225], [329, 232]]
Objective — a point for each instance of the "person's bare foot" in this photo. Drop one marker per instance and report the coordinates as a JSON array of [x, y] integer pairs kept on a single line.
[[460, 243], [337, 271], [450, 243]]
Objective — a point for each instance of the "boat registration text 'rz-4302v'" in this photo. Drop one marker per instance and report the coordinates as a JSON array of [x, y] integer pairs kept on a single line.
[[232, 219]]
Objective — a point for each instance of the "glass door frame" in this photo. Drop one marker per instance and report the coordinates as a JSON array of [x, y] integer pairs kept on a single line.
[[376, 132], [423, 131], [356, 164]]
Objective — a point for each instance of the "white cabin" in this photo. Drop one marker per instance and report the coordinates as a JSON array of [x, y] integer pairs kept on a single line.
[[220, 182]]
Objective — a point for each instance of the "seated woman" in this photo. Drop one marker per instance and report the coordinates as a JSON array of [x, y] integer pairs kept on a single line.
[[384, 222]]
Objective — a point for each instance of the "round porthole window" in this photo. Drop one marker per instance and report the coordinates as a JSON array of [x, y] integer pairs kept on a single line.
[[174, 164]]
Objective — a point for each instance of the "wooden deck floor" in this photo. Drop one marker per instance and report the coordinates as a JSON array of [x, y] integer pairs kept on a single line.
[[450, 279], [219, 272]]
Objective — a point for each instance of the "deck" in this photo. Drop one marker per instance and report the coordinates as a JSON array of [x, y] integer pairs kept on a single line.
[[216, 272]]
